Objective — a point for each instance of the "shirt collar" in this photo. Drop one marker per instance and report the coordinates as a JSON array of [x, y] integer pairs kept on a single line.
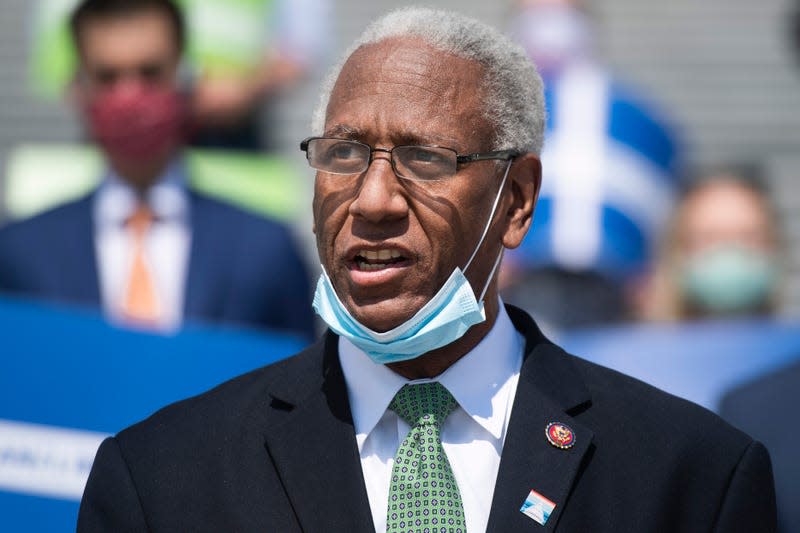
[[167, 197], [477, 380]]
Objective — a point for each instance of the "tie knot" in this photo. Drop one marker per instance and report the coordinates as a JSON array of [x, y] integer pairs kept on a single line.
[[423, 404], [140, 219]]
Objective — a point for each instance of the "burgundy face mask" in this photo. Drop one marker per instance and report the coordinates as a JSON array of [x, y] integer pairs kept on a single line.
[[138, 124]]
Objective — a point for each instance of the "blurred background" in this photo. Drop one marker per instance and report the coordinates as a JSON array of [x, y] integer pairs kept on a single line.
[[724, 71]]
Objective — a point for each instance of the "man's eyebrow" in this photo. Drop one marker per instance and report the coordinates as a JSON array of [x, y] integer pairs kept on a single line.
[[344, 131], [398, 138], [411, 138]]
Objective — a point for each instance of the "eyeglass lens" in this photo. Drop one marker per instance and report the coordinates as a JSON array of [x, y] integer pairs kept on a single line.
[[339, 156]]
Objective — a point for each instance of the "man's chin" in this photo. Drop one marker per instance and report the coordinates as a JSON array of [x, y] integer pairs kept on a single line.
[[140, 174], [384, 315]]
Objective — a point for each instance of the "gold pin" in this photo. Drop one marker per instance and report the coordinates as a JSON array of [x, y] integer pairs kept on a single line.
[[560, 435]]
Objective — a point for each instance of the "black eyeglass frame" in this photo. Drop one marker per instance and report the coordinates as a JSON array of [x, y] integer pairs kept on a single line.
[[502, 155]]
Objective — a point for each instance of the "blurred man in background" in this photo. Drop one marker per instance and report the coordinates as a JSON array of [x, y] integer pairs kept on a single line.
[[609, 177], [708, 307], [142, 245], [241, 59]]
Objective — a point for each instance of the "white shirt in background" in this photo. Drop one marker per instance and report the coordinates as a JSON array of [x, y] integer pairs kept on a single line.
[[166, 244]]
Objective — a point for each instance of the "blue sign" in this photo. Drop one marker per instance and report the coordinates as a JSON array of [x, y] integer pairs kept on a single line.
[[68, 379], [698, 361]]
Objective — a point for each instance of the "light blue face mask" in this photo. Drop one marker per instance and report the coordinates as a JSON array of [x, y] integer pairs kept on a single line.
[[729, 279], [444, 319]]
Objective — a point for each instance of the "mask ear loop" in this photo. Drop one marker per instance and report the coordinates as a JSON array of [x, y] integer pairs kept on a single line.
[[491, 274], [486, 230], [491, 215]]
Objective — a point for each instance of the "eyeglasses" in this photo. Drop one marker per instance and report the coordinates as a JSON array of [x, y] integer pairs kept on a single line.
[[421, 163]]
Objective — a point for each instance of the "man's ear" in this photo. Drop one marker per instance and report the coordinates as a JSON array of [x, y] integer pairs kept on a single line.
[[526, 180], [76, 93]]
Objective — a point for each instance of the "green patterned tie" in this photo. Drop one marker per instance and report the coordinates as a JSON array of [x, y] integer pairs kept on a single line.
[[423, 495]]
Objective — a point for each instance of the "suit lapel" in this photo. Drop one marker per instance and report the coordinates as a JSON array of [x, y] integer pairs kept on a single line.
[[315, 452], [312, 442], [548, 391], [209, 253], [79, 277]]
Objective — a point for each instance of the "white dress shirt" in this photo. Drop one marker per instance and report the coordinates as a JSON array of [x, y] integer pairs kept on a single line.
[[166, 244], [483, 382]]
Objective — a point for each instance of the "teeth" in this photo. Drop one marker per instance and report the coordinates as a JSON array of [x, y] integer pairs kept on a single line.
[[371, 266], [376, 259], [380, 255]]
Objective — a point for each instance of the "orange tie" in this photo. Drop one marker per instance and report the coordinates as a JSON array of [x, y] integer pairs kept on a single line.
[[141, 302]]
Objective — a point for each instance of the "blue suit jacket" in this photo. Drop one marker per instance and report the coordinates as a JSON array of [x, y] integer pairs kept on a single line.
[[275, 450], [767, 409], [243, 269]]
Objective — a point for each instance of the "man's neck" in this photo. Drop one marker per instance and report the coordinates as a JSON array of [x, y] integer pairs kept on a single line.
[[141, 176], [431, 364]]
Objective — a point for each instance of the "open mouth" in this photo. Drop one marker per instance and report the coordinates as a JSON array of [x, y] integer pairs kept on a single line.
[[372, 260]]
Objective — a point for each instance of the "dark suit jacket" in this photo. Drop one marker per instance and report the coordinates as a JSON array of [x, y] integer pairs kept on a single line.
[[242, 268], [767, 408], [275, 450]]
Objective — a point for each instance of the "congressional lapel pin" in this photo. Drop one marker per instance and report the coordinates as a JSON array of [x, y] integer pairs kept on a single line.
[[560, 435], [537, 507]]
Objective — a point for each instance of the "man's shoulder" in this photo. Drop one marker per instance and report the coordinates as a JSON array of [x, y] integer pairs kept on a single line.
[[239, 406], [667, 460], [765, 399], [609, 401], [652, 417], [226, 212], [775, 386], [51, 223]]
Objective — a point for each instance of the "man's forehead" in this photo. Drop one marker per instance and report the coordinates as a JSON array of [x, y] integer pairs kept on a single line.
[[403, 84], [136, 33], [407, 53], [407, 61]]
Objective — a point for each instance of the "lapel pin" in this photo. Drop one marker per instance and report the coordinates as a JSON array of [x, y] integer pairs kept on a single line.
[[560, 435], [537, 507]]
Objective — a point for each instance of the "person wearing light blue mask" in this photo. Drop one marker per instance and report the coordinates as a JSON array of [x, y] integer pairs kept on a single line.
[[427, 404], [441, 321], [731, 266], [721, 259], [410, 235], [729, 279]]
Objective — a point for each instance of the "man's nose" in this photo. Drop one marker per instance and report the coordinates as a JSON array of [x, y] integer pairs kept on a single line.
[[129, 84], [380, 196]]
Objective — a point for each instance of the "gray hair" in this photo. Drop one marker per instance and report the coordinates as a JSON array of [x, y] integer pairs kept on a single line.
[[513, 94]]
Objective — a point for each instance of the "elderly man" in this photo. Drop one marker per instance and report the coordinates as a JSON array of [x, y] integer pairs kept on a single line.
[[428, 406]]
